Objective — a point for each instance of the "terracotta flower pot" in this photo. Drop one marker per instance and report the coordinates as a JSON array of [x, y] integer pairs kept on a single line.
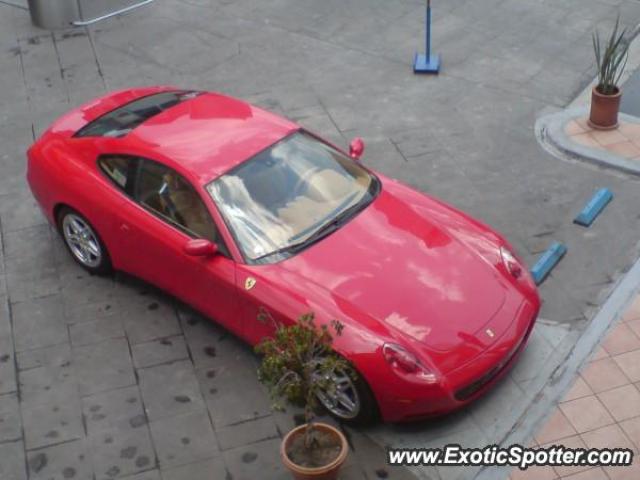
[[327, 472], [604, 110]]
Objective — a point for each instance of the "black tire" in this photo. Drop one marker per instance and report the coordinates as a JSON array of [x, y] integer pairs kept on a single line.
[[96, 256], [369, 413]]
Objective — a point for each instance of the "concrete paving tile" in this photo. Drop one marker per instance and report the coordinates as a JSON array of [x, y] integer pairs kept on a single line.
[[96, 331], [533, 473], [103, 366], [208, 342], [19, 211], [86, 289], [156, 320], [7, 366], [603, 375], [578, 390], [587, 140], [629, 130], [118, 453], [624, 149], [632, 429], [495, 404], [633, 310], [629, 363], [87, 312], [634, 325], [54, 356], [148, 475], [170, 390], [607, 137], [10, 419], [534, 355], [164, 350], [120, 408], [248, 432], [52, 423], [39, 323], [61, 462], [586, 414], [12, 466], [574, 128], [599, 354], [259, 460], [569, 442], [622, 402], [556, 427], [28, 248], [631, 472], [32, 285], [611, 436], [596, 473], [47, 384], [213, 469], [5, 321], [621, 339], [220, 386], [184, 439]]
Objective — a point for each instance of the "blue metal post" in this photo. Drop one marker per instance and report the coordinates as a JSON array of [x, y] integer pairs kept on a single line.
[[428, 31], [426, 63]]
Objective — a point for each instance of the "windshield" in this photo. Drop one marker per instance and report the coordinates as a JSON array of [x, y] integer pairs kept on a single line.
[[282, 199]]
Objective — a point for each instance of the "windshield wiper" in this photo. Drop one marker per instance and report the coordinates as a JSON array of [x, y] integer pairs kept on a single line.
[[328, 228]]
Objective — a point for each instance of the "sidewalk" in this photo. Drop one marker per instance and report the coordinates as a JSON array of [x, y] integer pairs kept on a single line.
[[602, 409]]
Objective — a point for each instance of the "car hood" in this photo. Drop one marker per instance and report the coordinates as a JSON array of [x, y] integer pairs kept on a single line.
[[409, 272]]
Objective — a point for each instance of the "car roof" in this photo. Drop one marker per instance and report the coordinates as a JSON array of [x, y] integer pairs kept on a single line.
[[209, 134]]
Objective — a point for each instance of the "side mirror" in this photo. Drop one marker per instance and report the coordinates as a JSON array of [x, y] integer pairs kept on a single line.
[[356, 148], [200, 248]]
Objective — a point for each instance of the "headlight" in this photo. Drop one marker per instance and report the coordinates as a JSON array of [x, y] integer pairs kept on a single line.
[[510, 262], [406, 363]]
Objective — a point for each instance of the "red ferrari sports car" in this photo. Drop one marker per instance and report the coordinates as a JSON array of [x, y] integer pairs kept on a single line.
[[235, 210]]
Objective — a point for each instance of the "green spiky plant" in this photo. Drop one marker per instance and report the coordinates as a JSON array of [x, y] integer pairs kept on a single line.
[[298, 363], [611, 59]]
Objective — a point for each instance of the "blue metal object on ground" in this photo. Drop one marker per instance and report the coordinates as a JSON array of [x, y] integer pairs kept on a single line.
[[427, 63], [592, 209], [547, 261]]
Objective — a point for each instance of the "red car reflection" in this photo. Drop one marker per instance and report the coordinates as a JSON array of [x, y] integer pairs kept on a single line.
[[234, 210]]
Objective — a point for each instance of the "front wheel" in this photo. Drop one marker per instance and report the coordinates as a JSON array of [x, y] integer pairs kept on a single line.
[[83, 242], [351, 400]]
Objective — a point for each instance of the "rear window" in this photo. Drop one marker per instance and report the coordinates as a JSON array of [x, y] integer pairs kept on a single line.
[[121, 121]]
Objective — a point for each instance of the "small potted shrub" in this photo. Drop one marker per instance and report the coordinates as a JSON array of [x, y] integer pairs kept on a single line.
[[611, 58], [298, 362]]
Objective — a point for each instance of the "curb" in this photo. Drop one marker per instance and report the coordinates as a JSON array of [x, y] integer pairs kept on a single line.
[[549, 131]]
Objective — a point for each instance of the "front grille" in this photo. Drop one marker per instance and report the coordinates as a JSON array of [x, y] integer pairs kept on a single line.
[[468, 391]]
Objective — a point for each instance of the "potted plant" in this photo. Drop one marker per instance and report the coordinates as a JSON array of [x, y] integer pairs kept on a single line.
[[297, 364], [611, 59]]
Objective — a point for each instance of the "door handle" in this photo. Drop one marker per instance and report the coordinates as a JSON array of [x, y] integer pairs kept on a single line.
[[124, 227]]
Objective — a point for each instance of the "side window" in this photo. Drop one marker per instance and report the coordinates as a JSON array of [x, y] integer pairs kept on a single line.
[[171, 197], [120, 170]]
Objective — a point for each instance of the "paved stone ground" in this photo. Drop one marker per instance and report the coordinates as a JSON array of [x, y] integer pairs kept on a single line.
[[98, 375], [602, 408]]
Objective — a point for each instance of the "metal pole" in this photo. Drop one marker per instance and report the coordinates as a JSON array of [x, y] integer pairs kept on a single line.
[[11, 4], [82, 23], [428, 32]]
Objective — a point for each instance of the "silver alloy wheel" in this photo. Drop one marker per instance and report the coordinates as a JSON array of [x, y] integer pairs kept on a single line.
[[82, 240], [344, 401]]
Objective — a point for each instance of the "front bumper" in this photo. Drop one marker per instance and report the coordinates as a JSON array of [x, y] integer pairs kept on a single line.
[[467, 382]]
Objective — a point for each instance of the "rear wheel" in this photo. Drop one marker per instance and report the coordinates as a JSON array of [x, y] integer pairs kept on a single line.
[[352, 400], [83, 242]]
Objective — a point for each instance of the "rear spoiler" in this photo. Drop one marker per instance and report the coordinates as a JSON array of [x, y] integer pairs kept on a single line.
[[73, 121]]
